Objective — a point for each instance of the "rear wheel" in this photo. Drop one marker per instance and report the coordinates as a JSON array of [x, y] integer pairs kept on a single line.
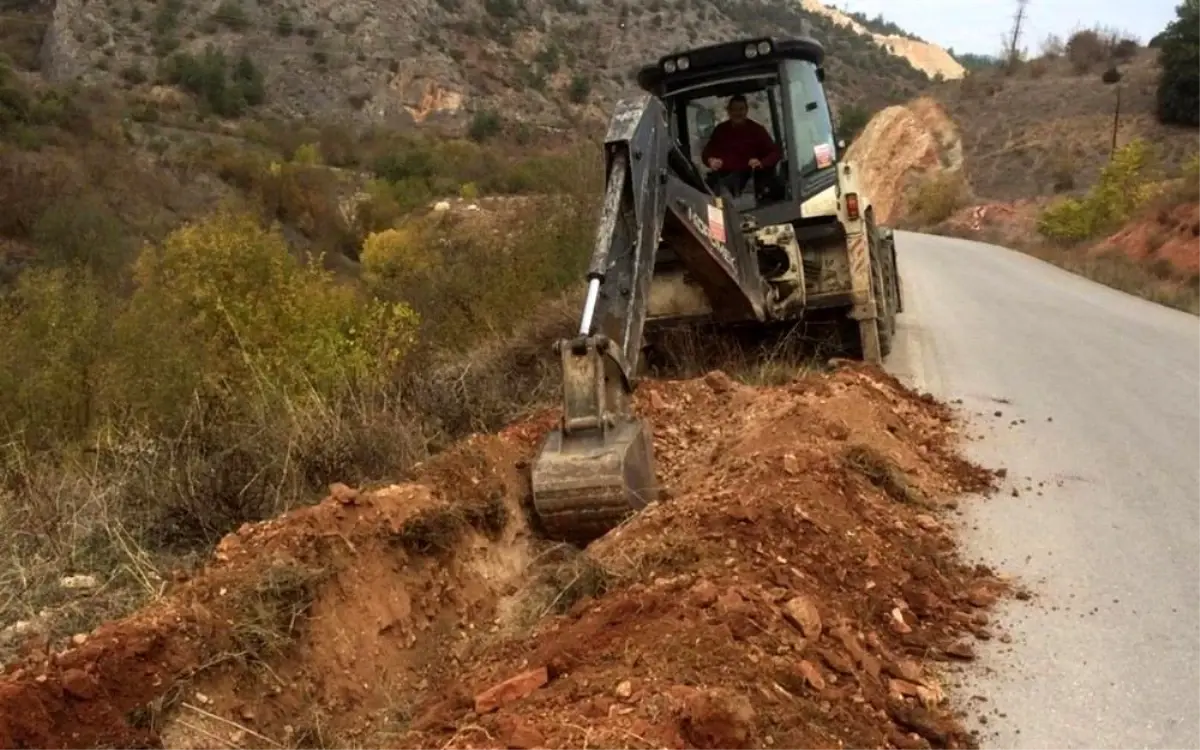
[[883, 286]]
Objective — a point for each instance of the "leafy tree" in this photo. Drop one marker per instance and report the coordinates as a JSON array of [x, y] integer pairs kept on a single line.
[[1179, 57]]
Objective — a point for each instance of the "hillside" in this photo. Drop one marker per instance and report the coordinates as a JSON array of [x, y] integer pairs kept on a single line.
[[546, 63], [1046, 130], [1056, 130]]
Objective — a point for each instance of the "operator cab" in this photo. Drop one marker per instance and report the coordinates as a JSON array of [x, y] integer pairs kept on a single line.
[[782, 81]]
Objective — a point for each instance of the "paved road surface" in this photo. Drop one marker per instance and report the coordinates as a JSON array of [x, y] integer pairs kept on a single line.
[[1108, 386]]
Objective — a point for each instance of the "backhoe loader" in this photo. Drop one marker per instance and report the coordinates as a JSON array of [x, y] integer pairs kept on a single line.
[[674, 245]]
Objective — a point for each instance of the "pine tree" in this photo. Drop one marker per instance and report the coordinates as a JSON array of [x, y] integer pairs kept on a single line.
[[1179, 57]]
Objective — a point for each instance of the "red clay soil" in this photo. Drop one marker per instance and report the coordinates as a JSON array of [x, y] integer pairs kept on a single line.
[[796, 588], [1169, 235]]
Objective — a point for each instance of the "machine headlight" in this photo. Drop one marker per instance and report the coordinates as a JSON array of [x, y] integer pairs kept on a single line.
[[683, 63], [764, 48], [751, 51], [669, 66]]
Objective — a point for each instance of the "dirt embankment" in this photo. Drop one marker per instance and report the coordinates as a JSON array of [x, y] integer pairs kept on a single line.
[[798, 587], [1167, 236], [1164, 239], [901, 146]]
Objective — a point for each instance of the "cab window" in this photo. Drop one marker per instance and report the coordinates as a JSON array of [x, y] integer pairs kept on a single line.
[[704, 113], [812, 126]]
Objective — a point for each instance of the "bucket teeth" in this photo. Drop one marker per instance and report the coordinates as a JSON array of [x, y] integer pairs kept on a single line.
[[584, 485]]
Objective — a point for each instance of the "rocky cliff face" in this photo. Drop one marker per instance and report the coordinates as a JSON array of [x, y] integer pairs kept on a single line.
[[547, 63]]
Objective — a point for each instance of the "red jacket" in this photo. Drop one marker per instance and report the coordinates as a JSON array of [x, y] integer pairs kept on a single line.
[[736, 145]]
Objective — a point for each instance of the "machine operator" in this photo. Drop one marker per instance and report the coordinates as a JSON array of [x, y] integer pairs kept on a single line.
[[738, 148]]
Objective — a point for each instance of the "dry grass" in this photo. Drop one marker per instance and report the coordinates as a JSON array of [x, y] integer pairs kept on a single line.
[[1119, 271], [936, 197]]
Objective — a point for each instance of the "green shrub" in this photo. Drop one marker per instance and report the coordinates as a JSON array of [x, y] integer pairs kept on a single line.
[[579, 89], [224, 90], [484, 125], [1123, 188], [246, 319]]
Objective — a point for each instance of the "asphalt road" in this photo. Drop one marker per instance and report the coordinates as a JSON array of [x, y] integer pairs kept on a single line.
[[1105, 391]]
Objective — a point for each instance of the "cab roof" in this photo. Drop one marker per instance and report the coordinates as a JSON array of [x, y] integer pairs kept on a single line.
[[687, 67]]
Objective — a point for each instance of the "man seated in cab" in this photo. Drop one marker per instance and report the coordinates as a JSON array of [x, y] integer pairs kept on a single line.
[[740, 148]]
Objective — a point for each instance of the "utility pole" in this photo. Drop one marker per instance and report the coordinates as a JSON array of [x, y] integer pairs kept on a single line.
[[1014, 41], [1112, 77]]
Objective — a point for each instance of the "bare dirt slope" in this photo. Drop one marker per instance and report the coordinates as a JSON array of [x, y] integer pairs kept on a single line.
[[1166, 237], [796, 588], [928, 58], [901, 146]]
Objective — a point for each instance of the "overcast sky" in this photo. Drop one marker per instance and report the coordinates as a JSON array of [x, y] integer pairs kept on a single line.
[[977, 26]]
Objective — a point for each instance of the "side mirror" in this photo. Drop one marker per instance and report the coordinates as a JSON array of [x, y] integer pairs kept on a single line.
[[821, 74]]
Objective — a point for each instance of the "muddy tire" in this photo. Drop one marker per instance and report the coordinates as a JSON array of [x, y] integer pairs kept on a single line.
[[889, 242], [883, 283]]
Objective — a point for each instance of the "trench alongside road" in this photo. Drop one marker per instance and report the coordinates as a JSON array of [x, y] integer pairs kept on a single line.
[[1098, 401]]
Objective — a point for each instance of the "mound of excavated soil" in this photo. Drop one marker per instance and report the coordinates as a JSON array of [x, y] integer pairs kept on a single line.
[[795, 588]]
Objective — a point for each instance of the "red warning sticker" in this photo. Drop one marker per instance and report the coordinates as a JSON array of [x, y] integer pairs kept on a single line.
[[824, 155], [716, 223]]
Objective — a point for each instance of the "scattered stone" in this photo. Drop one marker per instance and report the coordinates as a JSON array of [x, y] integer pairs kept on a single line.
[[961, 650], [812, 675], [79, 582], [927, 522], [704, 593], [343, 494], [624, 690], [79, 684], [512, 689], [719, 382], [518, 733], [802, 612], [980, 596]]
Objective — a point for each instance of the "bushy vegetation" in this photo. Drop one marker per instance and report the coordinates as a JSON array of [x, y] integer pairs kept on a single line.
[[936, 197], [851, 121], [1179, 56], [880, 25], [225, 89], [973, 62], [1088, 49], [1125, 185], [158, 390]]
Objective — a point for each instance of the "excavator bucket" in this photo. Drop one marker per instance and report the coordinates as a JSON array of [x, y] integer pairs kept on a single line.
[[586, 485], [597, 467]]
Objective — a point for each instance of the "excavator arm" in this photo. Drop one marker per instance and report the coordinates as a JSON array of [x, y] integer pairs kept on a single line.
[[597, 467]]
